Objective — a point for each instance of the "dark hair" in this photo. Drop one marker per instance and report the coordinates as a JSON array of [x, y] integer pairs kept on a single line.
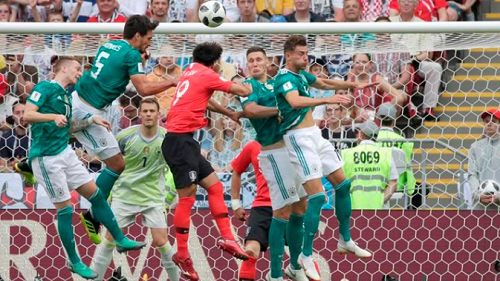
[[366, 54], [207, 53], [256, 49], [130, 97], [138, 24], [62, 61], [293, 41], [150, 101], [382, 18]]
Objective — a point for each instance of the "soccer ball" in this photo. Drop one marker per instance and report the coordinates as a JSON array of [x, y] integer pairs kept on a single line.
[[489, 187], [212, 13]]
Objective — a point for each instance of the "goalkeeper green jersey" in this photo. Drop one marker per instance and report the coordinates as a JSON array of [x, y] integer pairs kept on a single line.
[[143, 180], [116, 61]]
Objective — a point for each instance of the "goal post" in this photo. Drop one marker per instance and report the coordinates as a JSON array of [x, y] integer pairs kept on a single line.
[[438, 231]]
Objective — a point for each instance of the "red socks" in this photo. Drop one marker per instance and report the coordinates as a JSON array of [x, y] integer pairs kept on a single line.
[[247, 269], [182, 219], [219, 210]]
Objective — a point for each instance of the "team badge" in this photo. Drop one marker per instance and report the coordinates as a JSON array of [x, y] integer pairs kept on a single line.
[[103, 142], [192, 176]]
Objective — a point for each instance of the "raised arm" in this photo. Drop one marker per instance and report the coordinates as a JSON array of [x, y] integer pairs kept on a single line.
[[334, 84], [296, 101], [147, 88]]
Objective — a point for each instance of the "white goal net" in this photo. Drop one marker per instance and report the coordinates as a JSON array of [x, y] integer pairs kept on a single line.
[[448, 74]]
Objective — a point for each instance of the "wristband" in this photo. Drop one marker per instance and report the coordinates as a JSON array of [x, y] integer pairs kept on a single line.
[[235, 204]]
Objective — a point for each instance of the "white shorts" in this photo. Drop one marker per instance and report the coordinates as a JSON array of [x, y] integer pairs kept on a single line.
[[96, 139], [312, 156], [152, 216], [284, 184], [60, 174]]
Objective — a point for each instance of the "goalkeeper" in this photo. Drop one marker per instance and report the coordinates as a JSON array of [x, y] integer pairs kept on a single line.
[[141, 188]]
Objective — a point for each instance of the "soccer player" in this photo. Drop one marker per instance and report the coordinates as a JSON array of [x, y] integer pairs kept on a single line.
[[287, 194], [182, 153], [141, 188], [56, 166], [117, 62], [259, 222], [313, 156]]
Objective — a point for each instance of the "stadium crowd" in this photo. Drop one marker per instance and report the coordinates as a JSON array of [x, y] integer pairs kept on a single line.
[[399, 75]]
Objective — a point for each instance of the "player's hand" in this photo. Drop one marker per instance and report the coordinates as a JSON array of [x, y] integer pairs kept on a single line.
[[61, 121], [101, 122], [340, 99], [485, 199], [365, 85], [495, 199], [249, 87], [235, 116], [240, 214], [79, 2], [145, 55]]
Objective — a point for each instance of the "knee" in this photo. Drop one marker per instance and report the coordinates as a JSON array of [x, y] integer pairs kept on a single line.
[[283, 213], [116, 163], [159, 241]]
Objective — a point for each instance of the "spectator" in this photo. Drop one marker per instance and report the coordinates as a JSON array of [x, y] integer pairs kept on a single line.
[[20, 78], [387, 115], [425, 66], [6, 13], [330, 9], [484, 161], [57, 42], [165, 69], [39, 55], [426, 10], [132, 7], [371, 169], [159, 10], [368, 100], [336, 118], [247, 10], [107, 12], [318, 69], [229, 139], [129, 102], [303, 13], [373, 9], [458, 10], [14, 144], [274, 7], [232, 11], [177, 11], [79, 10], [34, 10]]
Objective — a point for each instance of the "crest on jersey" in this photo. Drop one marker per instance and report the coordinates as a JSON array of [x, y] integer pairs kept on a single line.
[[35, 96], [145, 150], [287, 86], [140, 67], [193, 175], [269, 87]]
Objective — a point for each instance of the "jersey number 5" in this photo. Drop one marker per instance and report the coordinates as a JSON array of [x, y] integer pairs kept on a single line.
[[99, 64], [181, 90]]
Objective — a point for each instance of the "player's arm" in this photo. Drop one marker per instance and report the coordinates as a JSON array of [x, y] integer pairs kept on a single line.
[[243, 90], [297, 102], [147, 88], [253, 110], [334, 84], [76, 126], [393, 181], [216, 107], [31, 115]]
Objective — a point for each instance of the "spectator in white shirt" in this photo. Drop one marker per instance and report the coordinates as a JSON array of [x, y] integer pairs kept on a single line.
[[132, 7]]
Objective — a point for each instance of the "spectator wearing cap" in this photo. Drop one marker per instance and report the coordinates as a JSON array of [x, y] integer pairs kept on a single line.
[[248, 13], [425, 67], [371, 169], [159, 10], [387, 137], [484, 161], [303, 13]]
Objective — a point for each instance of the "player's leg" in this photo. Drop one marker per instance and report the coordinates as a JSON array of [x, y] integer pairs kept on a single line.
[[256, 240], [50, 174], [218, 209], [295, 236], [155, 219], [24, 168]]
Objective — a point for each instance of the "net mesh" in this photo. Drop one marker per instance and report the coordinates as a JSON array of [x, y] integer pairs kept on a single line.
[[459, 80]]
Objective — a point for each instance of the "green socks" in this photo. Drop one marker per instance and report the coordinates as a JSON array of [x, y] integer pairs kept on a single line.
[[65, 229], [295, 238], [277, 246], [343, 208], [106, 180], [311, 222], [102, 212]]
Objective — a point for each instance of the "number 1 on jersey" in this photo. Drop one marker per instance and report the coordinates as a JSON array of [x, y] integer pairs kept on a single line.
[[99, 64]]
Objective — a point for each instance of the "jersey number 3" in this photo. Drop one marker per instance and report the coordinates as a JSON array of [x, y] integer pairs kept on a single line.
[[99, 64]]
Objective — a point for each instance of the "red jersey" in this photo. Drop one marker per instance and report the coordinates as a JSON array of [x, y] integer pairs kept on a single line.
[[370, 98], [426, 10], [117, 17], [195, 87], [248, 155]]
